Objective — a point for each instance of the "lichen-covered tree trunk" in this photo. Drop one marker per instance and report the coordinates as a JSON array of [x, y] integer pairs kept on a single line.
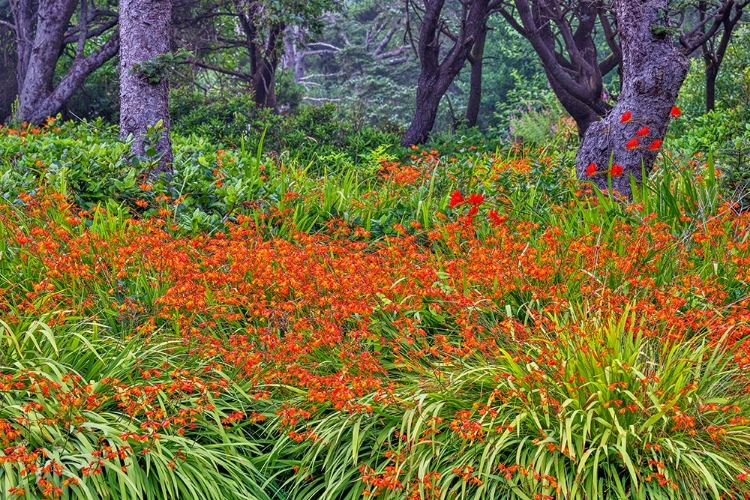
[[145, 27], [626, 142]]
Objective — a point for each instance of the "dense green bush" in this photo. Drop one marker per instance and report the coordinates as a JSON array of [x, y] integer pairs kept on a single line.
[[311, 132]]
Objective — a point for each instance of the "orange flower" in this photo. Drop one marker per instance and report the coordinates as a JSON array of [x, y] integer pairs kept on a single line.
[[496, 218]]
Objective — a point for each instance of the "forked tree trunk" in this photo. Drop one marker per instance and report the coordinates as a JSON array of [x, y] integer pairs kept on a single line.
[[145, 33], [264, 82], [262, 49], [40, 32], [435, 76], [653, 70], [567, 48]]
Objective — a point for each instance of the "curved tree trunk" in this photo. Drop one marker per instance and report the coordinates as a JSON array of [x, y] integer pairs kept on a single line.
[[567, 48], [653, 69], [144, 31], [435, 76], [41, 36], [430, 90]]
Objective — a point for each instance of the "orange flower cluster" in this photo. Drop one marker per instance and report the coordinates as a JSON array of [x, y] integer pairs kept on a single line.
[[270, 309]]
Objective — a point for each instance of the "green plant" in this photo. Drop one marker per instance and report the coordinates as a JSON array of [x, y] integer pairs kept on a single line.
[[595, 410]]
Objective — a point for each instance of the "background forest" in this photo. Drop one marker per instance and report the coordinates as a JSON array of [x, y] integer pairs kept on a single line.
[[357, 61], [387, 249]]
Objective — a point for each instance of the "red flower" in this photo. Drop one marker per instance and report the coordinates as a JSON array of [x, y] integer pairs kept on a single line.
[[675, 113], [591, 169], [643, 131], [616, 170], [632, 143], [496, 218], [456, 199], [654, 146], [473, 211], [626, 116], [475, 199]]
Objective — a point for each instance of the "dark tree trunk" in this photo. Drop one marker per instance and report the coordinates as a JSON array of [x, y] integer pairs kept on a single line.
[[41, 34], [264, 82], [145, 27], [8, 72], [653, 68], [566, 46], [264, 69], [263, 50], [476, 59], [712, 71], [713, 54], [430, 90], [435, 77]]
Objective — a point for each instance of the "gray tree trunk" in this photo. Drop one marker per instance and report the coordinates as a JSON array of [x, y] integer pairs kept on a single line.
[[145, 27], [653, 70], [41, 34]]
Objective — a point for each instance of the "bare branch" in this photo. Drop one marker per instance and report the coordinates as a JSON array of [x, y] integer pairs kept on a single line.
[[242, 76]]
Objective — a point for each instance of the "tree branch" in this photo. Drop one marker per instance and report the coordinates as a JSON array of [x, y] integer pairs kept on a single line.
[[219, 69]]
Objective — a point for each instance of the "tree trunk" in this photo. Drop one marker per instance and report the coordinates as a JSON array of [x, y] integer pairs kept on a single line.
[[567, 49], [293, 59], [430, 91], [711, 74], [262, 49], [144, 95], [476, 58], [713, 55], [8, 73], [584, 112], [264, 83], [653, 71], [435, 77], [40, 39]]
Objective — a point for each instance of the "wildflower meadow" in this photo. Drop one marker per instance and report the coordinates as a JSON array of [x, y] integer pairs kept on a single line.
[[465, 323]]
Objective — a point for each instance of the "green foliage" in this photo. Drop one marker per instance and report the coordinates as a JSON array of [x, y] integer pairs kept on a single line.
[[312, 131], [158, 68], [590, 400], [609, 414], [72, 376]]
